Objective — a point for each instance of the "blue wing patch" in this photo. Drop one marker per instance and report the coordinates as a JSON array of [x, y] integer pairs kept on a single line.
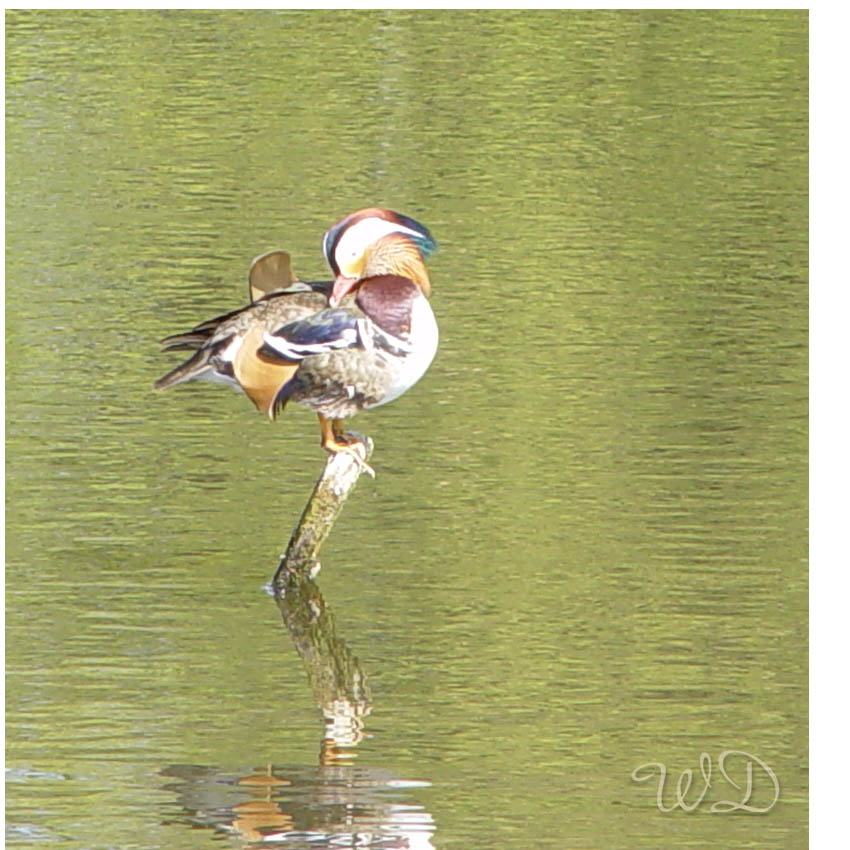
[[322, 332]]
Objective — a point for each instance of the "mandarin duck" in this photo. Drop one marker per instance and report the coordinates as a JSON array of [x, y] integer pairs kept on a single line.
[[337, 347]]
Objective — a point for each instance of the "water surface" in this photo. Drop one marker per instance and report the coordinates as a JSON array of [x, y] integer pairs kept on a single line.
[[585, 546]]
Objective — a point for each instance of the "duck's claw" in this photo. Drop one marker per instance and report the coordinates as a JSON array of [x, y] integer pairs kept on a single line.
[[350, 447], [335, 439]]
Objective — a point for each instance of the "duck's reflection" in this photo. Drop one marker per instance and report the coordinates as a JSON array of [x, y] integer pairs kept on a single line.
[[321, 807], [337, 803]]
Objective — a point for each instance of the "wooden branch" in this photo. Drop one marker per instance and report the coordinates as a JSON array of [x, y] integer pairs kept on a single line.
[[335, 483]]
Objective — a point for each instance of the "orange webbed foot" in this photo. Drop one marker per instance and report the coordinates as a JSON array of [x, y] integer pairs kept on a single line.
[[336, 440]]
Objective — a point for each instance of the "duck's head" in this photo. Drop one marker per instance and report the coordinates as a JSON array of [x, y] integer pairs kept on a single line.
[[375, 241]]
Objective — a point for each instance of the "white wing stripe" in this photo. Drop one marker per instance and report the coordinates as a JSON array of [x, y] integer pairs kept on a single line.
[[294, 351]]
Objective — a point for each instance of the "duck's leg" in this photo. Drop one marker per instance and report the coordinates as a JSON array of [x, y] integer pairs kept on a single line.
[[335, 439], [338, 429]]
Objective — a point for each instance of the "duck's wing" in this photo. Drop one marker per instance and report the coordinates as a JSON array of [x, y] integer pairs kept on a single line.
[[227, 348], [335, 366], [270, 311], [323, 332]]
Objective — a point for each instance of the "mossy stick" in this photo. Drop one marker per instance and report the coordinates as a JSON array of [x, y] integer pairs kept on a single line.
[[332, 488]]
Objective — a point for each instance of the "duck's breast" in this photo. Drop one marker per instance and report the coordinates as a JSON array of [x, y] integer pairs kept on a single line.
[[409, 355]]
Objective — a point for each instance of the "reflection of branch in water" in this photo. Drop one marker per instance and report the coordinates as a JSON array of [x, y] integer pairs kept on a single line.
[[336, 804], [338, 682]]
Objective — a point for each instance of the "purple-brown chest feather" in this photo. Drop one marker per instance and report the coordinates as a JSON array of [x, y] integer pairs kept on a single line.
[[388, 301]]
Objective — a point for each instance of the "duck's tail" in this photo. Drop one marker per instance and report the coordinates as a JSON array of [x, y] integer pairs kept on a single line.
[[193, 368]]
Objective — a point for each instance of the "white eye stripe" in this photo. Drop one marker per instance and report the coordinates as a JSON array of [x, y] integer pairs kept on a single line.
[[365, 232]]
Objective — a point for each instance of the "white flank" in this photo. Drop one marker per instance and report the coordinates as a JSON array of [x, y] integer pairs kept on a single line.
[[210, 374], [227, 354]]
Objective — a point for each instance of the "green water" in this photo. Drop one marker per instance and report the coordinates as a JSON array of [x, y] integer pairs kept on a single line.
[[585, 548]]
